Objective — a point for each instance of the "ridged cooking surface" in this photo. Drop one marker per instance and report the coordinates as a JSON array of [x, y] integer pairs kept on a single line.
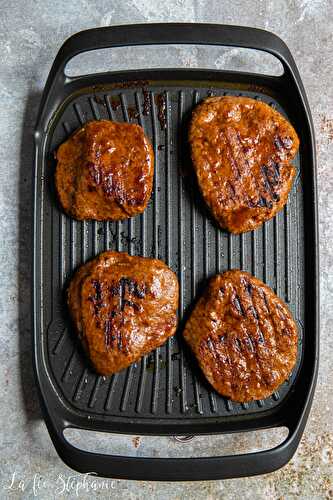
[[175, 228]]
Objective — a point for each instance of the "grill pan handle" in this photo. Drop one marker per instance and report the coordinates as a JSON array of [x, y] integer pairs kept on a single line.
[[175, 469], [165, 34]]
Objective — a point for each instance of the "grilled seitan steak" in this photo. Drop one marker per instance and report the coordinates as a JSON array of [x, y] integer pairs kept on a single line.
[[105, 171], [241, 150], [243, 336], [123, 307]]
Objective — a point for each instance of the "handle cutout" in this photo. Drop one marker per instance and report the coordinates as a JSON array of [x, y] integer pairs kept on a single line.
[[174, 56], [168, 447]]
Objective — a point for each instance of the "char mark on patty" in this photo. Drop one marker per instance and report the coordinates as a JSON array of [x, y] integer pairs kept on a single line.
[[238, 305]]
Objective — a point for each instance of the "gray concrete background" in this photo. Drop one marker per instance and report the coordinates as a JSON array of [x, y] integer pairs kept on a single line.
[[31, 33]]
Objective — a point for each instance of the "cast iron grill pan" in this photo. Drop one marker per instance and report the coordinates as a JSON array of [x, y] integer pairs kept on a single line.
[[165, 392]]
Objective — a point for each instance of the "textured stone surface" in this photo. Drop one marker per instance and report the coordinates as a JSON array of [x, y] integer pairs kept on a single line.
[[31, 33]]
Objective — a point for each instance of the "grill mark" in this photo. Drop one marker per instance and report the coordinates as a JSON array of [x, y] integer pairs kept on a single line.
[[114, 290], [94, 172], [108, 332], [98, 289], [251, 204], [119, 340], [210, 344], [264, 296], [247, 285], [96, 299], [273, 173], [254, 312], [238, 344], [270, 317], [232, 190], [254, 350], [238, 305], [285, 330], [271, 180], [280, 312], [112, 333], [133, 287], [264, 202], [278, 142], [254, 178], [249, 343], [276, 170], [261, 339], [119, 290], [269, 183], [282, 142], [235, 167], [122, 292], [218, 357], [287, 142], [215, 353], [249, 288], [139, 292], [245, 149], [132, 304], [261, 202]]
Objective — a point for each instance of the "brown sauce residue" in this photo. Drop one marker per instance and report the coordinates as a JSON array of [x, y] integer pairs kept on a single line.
[[146, 102], [133, 113], [99, 100], [160, 102], [115, 103]]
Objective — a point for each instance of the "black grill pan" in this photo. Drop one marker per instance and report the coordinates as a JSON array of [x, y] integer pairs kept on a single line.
[[165, 393]]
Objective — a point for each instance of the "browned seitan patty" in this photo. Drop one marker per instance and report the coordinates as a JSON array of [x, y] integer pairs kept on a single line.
[[241, 150], [243, 336], [122, 307], [105, 171]]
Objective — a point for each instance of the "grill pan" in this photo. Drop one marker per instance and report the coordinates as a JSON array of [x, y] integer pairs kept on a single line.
[[165, 393]]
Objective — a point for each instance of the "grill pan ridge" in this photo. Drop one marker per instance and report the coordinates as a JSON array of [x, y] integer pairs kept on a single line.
[[165, 392]]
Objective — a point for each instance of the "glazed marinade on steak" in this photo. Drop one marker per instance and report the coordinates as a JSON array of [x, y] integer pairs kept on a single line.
[[105, 171], [122, 307], [241, 151], [243, 336]]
